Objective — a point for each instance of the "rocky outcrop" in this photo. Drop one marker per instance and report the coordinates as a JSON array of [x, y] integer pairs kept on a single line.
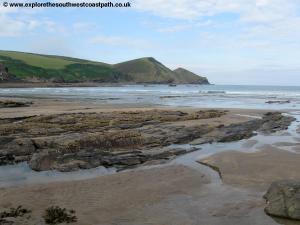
[[278, 102], [270, 122], [13, 104], [275, 121], [122, 140], [43, 160], [5, 75], [3, 72], [283, 199]]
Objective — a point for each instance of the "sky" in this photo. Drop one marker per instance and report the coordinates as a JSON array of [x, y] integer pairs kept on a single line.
[[228, 41]]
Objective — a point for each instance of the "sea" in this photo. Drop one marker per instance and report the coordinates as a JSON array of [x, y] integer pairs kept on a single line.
[[204, 96]]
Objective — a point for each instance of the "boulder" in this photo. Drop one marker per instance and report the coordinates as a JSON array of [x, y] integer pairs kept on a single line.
[[42, 161], [283, 199]]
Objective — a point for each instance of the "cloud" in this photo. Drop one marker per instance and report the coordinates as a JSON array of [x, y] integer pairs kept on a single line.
[[80, 26], [119, 41], [175, 28], [52, 46], [9, 27], [180, 9], [266, 27], [17, 22], [16, 26], [249, 10], [12, 27], [182, 27], [271, 22]]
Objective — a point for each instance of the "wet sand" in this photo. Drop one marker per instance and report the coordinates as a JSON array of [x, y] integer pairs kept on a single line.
[[256, 170], [169, 195], [59, 106]]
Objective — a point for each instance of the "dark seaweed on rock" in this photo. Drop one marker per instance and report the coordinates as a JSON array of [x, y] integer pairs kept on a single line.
[[8, 217], [15, 212], [13, 104], [270, 123], [122, 140], [56, 215]]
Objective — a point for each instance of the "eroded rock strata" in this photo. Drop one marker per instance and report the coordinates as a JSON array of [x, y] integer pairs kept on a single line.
[[68, 142], [13, 104]]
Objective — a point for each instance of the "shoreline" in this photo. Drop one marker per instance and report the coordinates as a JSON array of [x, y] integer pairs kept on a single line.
[[81, 84], [154, 191], [50, 106]]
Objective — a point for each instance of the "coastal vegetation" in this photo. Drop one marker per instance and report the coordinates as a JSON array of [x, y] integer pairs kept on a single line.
[[29, 67]]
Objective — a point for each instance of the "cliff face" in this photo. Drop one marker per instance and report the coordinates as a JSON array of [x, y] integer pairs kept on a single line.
[[186, 76], [149, 70], [4, 75]]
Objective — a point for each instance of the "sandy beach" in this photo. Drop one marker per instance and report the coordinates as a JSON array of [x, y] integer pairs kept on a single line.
[[169, 193], [60, 106]]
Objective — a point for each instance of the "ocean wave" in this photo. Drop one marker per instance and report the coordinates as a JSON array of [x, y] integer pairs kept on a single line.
[[212, 92]]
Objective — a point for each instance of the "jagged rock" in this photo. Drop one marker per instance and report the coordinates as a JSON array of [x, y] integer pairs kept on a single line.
[[42, 161], [13, 104], [121, 160], [7, 159], [278, 102], [239, 131], [4, 73], [271, 122], [123, 140], [187, 134], [275, 121], [20, 147], [72, 165], [283, 199], [25, 158], [5, 140]]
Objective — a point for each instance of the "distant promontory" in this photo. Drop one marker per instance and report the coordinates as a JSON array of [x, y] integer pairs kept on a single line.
[[24, 67]]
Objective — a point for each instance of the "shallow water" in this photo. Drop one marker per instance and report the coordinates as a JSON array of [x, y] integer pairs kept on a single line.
[[21, 174], [285, 140], [216, 96]]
